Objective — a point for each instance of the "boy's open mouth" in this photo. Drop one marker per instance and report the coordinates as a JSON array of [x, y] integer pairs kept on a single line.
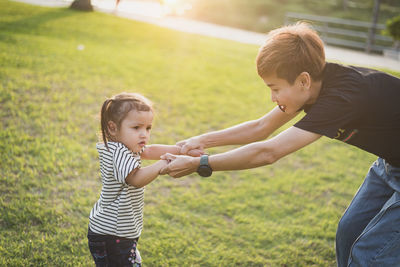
[[281, 107]]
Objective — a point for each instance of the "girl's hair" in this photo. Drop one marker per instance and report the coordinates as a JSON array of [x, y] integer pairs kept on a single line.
[[291, 50], [117, 107]]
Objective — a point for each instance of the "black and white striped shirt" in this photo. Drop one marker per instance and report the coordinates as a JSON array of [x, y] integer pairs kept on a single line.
[[119, 210]]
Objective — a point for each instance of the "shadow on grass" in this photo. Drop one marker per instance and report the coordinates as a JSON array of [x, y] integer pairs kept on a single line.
[[29, 24]]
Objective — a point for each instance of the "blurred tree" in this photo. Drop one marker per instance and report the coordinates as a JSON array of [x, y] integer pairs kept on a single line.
[[345, 5], [84, 5], [375, 14], [393, 29]]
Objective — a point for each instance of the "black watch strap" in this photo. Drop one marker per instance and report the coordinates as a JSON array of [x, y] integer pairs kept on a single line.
[[204, 160], [204, 168]]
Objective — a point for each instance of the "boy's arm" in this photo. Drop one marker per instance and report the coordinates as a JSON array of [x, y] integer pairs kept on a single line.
[[244, 133], [245, 157], [142, 176]]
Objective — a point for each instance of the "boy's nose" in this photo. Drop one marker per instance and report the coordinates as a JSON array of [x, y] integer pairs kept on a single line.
[[273, 98]]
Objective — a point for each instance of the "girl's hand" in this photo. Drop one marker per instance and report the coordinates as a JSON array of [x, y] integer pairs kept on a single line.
[[179, 166], [192, 147]]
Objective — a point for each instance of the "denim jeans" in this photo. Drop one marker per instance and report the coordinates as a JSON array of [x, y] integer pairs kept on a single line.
[[369, 232], [113, 251]]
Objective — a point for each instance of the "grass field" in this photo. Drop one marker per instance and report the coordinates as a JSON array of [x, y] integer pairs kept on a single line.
[[50, 95]]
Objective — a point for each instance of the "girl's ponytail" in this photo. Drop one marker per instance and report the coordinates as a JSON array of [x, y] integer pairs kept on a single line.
[[104, 118]]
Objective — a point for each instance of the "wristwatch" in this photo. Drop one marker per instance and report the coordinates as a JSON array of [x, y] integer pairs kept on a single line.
[[204, 168]]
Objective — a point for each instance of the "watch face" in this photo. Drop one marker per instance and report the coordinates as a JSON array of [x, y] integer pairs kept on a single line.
[[204, 171]]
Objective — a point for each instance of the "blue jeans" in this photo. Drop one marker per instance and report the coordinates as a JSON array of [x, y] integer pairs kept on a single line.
[[369, 232], [113, 251]]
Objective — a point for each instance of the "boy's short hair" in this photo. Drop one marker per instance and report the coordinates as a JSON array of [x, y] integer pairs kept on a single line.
[[291, 50]]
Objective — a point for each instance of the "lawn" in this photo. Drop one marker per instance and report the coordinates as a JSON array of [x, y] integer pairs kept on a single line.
[[57, 67]]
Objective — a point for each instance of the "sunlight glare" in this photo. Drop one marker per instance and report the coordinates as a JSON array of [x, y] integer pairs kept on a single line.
[[176, 7], [140, 8], [170, 2], [145, 8]]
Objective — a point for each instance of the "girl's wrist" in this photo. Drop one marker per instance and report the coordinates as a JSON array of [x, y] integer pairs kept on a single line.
[[161, 165], [178, 150]]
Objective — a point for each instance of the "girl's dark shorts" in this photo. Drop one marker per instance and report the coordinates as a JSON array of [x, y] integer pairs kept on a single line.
[[110, 251]]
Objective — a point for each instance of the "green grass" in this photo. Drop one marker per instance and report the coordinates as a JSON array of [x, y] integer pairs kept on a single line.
[[50, 95]]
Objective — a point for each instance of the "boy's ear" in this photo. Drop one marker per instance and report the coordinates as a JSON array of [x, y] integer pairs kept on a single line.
[[304, 79], [112, 127]]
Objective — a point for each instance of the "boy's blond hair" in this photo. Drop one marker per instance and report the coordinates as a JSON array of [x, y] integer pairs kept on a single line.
[[291, 50]]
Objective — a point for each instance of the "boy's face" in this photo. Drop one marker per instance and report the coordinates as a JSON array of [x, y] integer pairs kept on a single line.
[[134, 131], [289, 97]]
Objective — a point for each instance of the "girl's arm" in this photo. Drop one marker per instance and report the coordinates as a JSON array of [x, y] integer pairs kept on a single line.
[[154, 152], [244, 133], [143, 176]]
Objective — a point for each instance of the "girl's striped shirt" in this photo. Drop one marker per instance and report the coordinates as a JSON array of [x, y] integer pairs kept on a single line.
[[119, 210]]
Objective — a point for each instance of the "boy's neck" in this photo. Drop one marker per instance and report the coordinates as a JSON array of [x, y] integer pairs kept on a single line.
[[315, 89]]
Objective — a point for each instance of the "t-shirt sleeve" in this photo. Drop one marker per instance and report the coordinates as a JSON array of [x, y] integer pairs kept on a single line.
[[328, 115], [124, 163]]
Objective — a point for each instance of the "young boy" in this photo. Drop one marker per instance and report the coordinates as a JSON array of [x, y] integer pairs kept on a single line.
[[355, 105]]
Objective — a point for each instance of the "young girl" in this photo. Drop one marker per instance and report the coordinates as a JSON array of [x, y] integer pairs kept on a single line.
[[116, 220]]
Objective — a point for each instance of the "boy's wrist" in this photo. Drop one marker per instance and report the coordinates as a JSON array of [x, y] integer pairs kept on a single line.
[[202, 140], [195, 162]]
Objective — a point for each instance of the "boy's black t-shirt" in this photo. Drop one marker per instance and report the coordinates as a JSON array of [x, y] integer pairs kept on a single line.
[[358, 106]]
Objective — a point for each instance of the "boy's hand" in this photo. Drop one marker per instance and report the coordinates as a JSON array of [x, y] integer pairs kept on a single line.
[[194, 152], [191, 147]]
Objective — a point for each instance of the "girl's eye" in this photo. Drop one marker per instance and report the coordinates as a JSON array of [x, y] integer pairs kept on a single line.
[[148, 128], [136, 127]]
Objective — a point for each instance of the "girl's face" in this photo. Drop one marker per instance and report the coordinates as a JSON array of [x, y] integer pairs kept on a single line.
[[134, 131], [289, 97]]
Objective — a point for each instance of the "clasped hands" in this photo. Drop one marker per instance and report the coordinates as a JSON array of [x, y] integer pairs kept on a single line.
[[185, 163]]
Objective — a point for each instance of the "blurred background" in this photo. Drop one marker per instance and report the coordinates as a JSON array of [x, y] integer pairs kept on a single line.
[[356, 24], [263, 15]]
